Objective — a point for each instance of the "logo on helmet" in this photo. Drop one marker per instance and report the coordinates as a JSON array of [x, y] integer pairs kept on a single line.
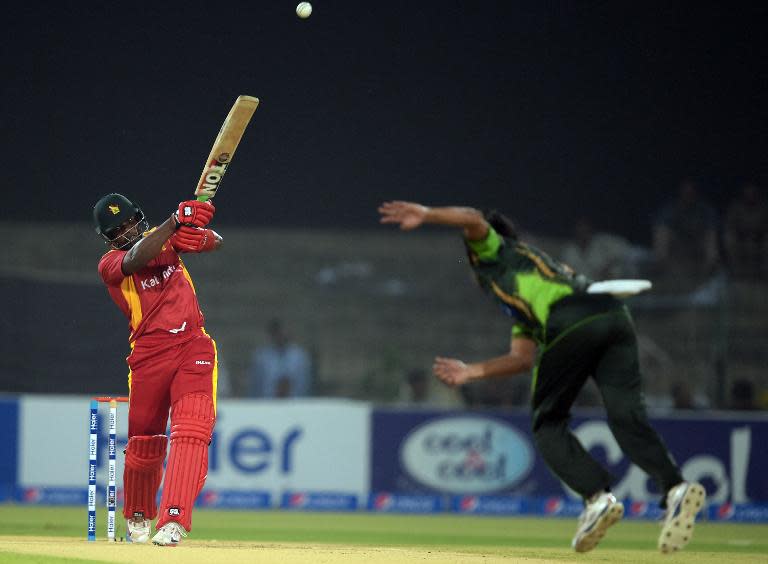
[[114, 209]]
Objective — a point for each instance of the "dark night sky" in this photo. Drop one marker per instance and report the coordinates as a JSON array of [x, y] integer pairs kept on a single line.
[[537, 108]]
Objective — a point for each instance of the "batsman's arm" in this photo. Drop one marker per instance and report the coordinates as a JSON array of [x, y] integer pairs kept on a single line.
[[218, 241], [149, 246]]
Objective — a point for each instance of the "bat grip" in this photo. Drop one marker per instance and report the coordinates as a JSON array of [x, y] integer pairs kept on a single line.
[[202, 198]]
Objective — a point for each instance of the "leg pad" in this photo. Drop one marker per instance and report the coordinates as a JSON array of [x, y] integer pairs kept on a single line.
[[192, 420], [142, 475]]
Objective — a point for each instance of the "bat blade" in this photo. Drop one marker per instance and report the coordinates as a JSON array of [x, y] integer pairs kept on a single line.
[[224, 146]]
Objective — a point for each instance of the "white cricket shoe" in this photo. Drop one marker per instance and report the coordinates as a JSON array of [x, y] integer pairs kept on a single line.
[[602, 511], [684, 501], [139, 529], [169, 534]]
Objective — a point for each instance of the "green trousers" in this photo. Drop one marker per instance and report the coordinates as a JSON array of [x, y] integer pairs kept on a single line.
[[602, 345]]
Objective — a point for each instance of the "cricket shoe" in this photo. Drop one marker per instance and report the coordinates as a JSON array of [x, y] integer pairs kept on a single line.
[[169, 534], [602, 511], [684, 502], [139, 529]]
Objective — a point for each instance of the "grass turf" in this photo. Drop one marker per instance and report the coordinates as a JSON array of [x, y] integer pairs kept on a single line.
[[513, 537]]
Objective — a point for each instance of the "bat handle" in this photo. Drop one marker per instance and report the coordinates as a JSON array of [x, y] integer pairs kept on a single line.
[[202, 198]]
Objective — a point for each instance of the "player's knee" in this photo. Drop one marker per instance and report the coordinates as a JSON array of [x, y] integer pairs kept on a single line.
[[145, 452], [192, 418], [627, 415], [544, 430]]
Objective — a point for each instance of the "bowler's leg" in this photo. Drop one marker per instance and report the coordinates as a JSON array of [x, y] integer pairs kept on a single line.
[[559, 376], [619, 381]]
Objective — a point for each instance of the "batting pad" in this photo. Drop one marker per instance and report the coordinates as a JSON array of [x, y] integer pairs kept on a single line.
[[192, 419], [144, 457]]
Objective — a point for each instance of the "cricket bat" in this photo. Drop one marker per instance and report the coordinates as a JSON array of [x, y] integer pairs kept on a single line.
[[224, 146]]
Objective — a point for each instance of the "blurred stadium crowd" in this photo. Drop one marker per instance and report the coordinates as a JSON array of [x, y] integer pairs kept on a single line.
[[318, 320], [708, 266]]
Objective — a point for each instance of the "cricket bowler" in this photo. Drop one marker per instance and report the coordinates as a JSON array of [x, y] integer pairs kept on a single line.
[[565, 335]]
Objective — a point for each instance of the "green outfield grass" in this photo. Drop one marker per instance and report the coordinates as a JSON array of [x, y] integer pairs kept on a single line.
[[510, 538]]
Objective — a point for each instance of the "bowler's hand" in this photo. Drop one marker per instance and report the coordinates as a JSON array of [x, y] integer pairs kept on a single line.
[[408, 215], [451, 371]]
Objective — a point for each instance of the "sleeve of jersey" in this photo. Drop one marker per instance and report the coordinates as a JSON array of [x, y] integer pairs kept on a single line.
[[519, 330], [111, 268], [487, 249]]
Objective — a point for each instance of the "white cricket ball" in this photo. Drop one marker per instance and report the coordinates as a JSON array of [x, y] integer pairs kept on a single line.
[[304, 10]]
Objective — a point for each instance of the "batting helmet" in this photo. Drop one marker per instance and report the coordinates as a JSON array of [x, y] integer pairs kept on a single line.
[[112, 214]]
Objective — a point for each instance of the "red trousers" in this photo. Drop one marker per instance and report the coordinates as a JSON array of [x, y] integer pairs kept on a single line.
[[158, 378]]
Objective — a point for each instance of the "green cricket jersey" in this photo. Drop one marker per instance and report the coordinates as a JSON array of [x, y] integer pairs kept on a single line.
[[526, 281]]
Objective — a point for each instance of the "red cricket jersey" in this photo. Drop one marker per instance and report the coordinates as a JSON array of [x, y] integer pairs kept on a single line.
[[158, 300]]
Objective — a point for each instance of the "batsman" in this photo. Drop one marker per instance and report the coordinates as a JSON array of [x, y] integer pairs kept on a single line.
[[172, 363]]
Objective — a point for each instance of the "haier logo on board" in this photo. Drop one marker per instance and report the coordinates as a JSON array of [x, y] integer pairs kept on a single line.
[[466, 454]]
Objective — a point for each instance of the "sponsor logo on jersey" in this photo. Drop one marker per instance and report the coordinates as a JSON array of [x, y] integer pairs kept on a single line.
[[154, 281]]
